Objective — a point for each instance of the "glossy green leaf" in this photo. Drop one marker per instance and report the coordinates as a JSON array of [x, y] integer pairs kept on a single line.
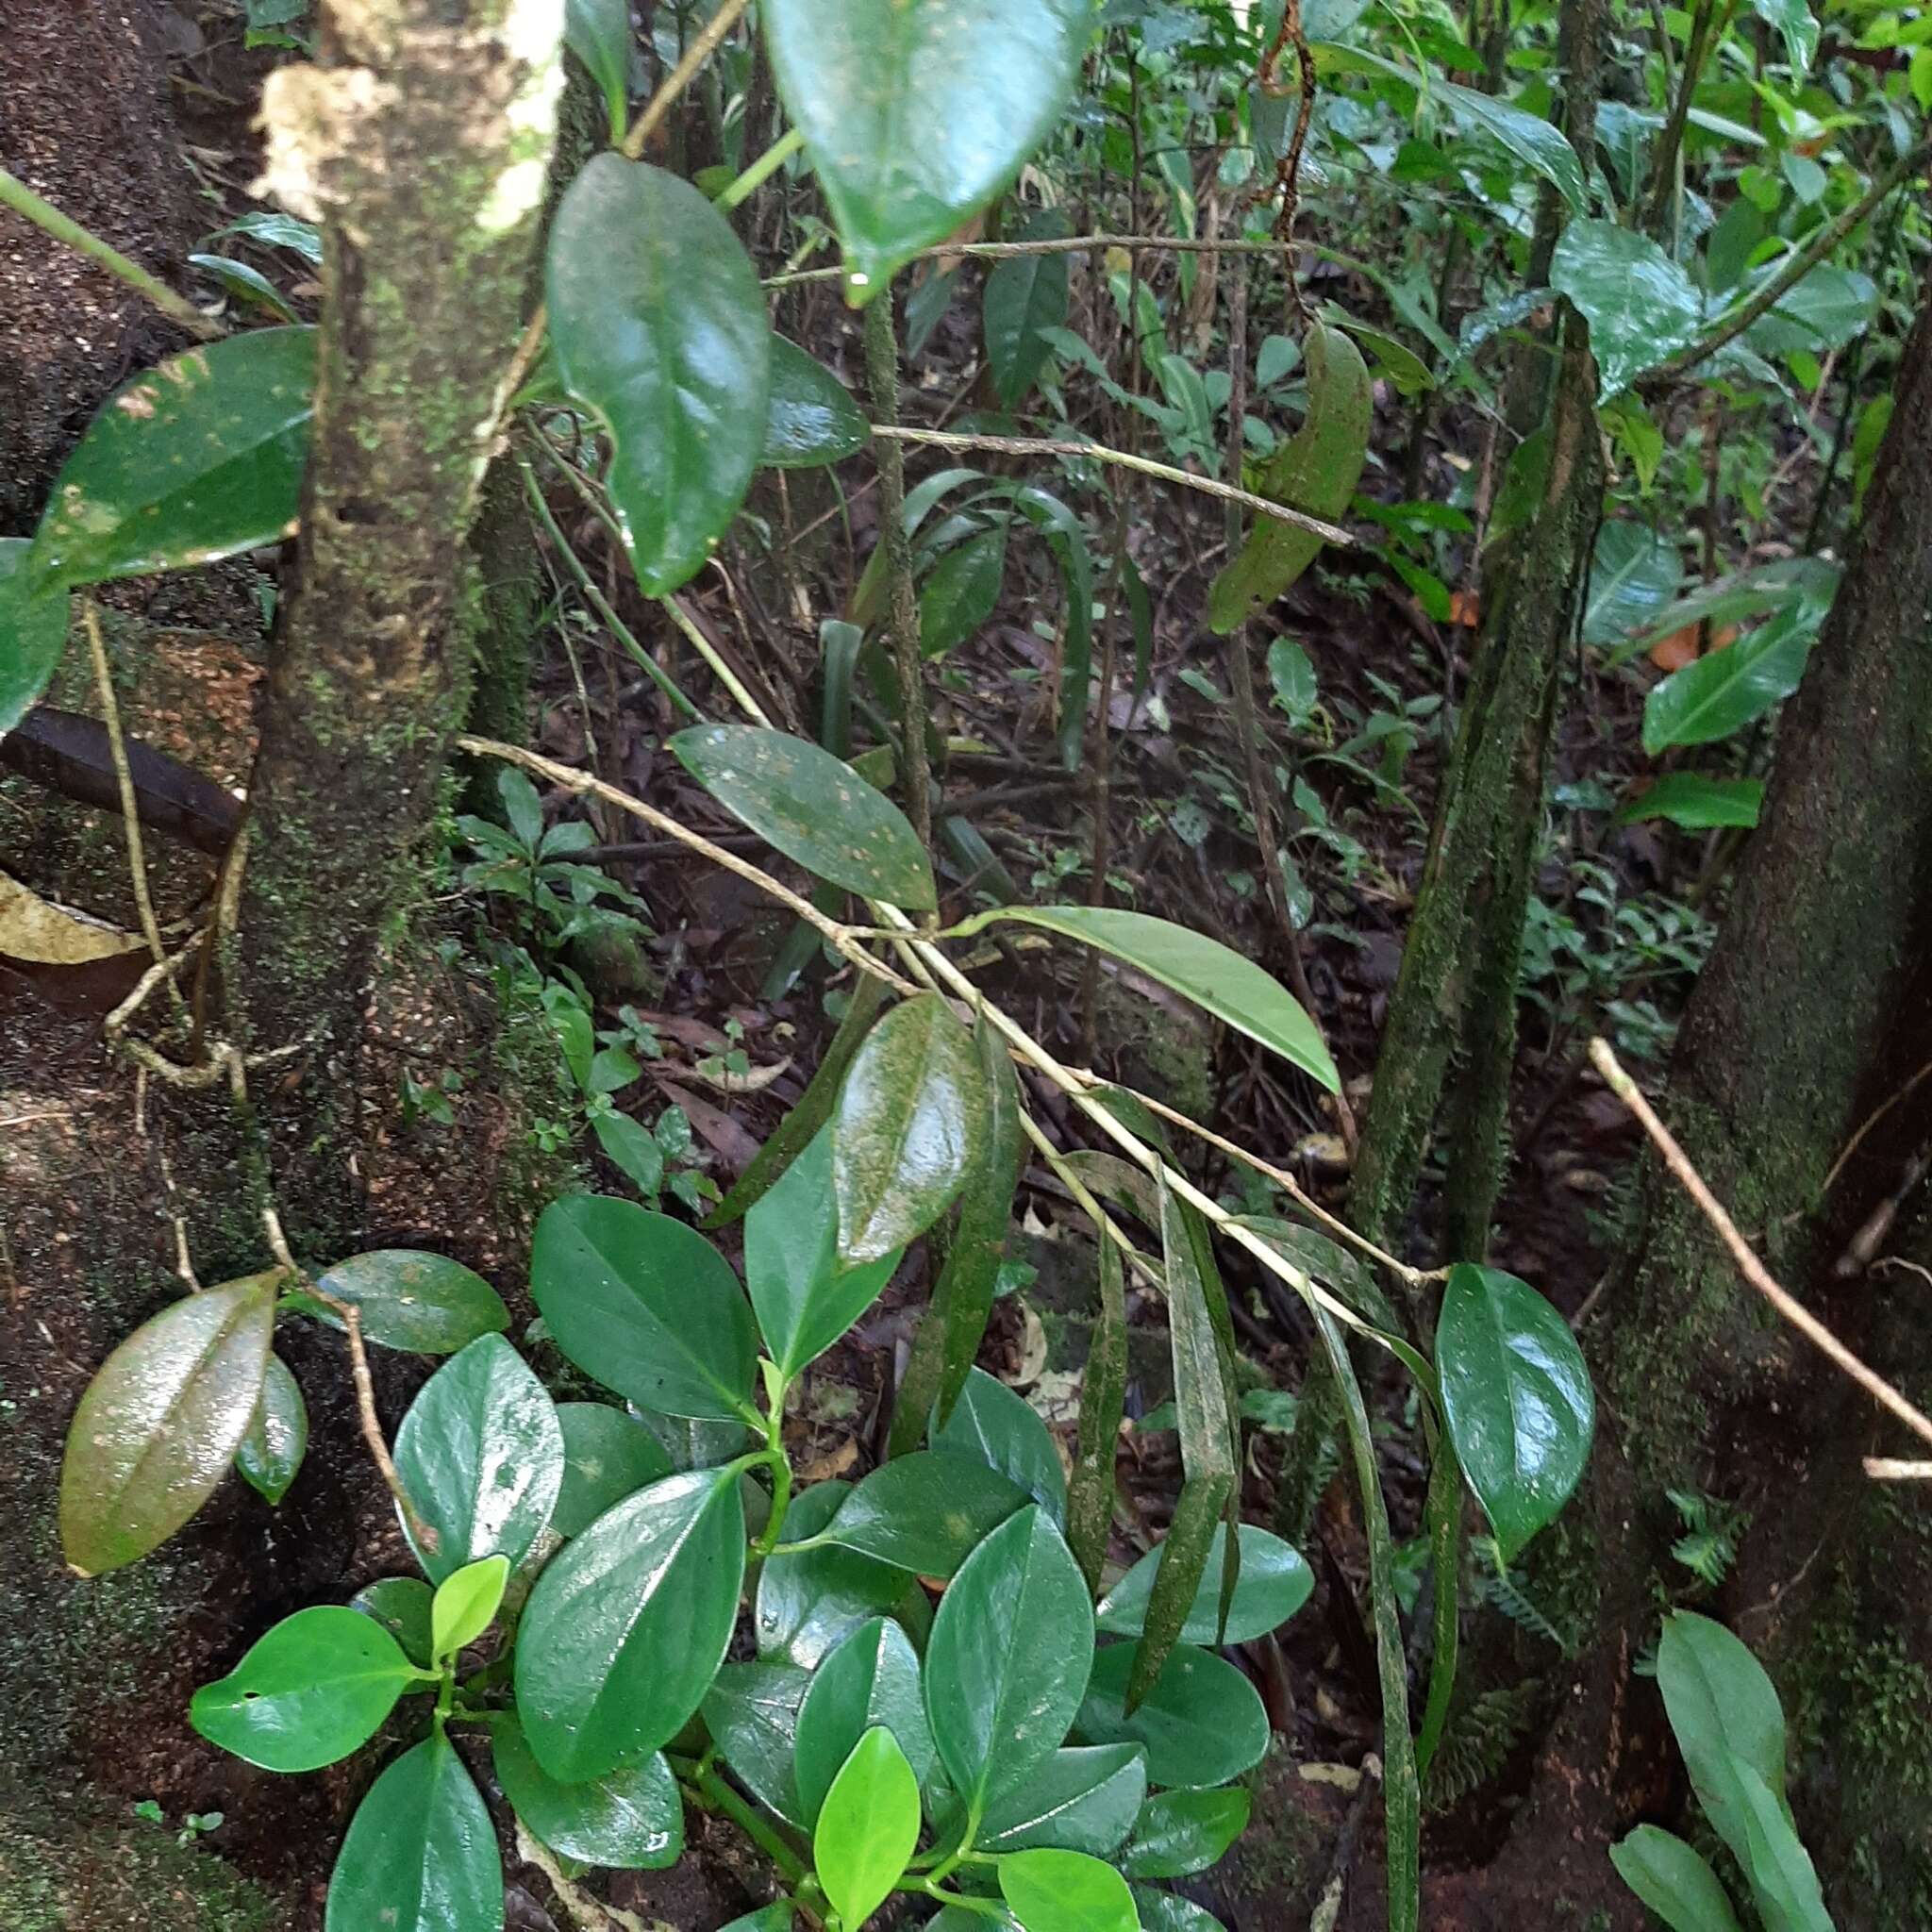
[[1004, 1430], [810, 1602], [317, 1686], [812, 807], [1007, 1662], [659, 326], [904, 135], [912, 1118], [598, 33], [1717, 695], [401, 1605], [810, 418], [33, 633], [1084, 1798], [1821, 311], [1024, 295], [1315, 471], [1201, 1724], [465, 1605], [1696, 802], [1179, 1833], [628, 1624], [1272, 1582], [421, 1852], [1213, 976], [962, 591], [751, 1711], [607, 1456], [481, 1457], [197, 459], [1633, 576], [1673, 1881], [870, 1681], [1102, 1397], [408, 1299], [1538, 143], [631, 1820], [923, 1512], [271, 1454], [645, 1304], [245, 284], [1163, 1911], [1516, 1399], [867, 1828], [1066, 1892], [803, 1295], [159, 1426], [1640, 305]]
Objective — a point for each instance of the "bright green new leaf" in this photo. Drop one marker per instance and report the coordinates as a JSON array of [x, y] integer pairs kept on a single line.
[[271, 1454], [1007, 1665], [645, 1304], [1066, 1892], [1229, 985], [805, 1295], [1024, 295], [160, 1422], [420, 1854], [867, 1828], [1696, 802], [1084, 1798], [751, 1711], [1633, 575], [465, 1605], [481, 1458], [905, 134], [1717, 695], [401, 1605], [813, 808], [1201, 1724], [1004, 1430], [1673, 1881], [607, 1456], [1179, 1833], [317, 1686], [631, 1820], [962, 591], [406, 1299], [1272, 1582], [872, 1680], [810, 1602], [1640, 305], [33, 632], [1516, 1399], [810, 418], [659, 326], [199, 457], [925, 1512], [628, 1624], [598, 33], [912, 1118]]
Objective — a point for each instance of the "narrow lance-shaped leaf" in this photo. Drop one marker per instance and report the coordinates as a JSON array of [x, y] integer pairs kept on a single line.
[[33, 632], [1696, 802], [962, 591], [598, 33], [1103, 1393], [159, 1426], [1715, 695]]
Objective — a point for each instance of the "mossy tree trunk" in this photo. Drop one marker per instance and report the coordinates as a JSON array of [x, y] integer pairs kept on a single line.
[[1814, 1010], [422, 140]]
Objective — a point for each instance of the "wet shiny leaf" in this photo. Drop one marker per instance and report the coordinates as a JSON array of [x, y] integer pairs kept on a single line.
[[963, 591], [607, 1456], [405, 1298], [809, 1603], [1271, 1583], [870, 1680], [1084, 1798], [659, 326], [813, 808], [33, 633], [1179, 1833], [1640, 305], [160, 1422], [631, 1820], [402, 1606], [1164, 1911], [271, 1454], [1006, 1433], [1201, 1724], [810, 418], [867, 1828], [925, 1512], [1696, 802], [751, 1711]]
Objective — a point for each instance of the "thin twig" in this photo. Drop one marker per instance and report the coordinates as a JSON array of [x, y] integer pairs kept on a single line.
[[1099, 453], [1894, 1469], [1749, 1266], [124, 778], [1837, 1166]]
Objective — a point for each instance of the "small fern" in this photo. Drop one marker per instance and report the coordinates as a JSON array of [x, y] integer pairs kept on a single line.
[[1495, 1586], [1479, 1741], [1709, 1544]]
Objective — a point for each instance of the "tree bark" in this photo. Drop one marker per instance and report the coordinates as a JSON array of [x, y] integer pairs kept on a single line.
[[422, 140]]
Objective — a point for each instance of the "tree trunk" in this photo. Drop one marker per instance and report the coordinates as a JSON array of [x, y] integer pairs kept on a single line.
[[422, 140], [1814, 1010]]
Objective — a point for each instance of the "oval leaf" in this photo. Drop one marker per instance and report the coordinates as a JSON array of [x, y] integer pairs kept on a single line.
[[1696, 802], [905, 136], [627, 1625], [1067, 1891], [465, 1605], [1083, 1799], [810, 418], [607, 1456], [1179, 1833], [867, 1828], [659, 326], [645, 1304], [1516, 1396], [813, 808], [925, 1512], [421, 1852], [1201, 1724], [912, 1117], [201, 457], [751, 1711], [315, 1689], [1004, 1431], [810, 1602], [1272, 1582], [33, 633], [872, 1680], [160, 1422], [481, 1457], [408, 1299], [271, 1454], [1212, 975], [1673, 1881], [631, 1820]]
